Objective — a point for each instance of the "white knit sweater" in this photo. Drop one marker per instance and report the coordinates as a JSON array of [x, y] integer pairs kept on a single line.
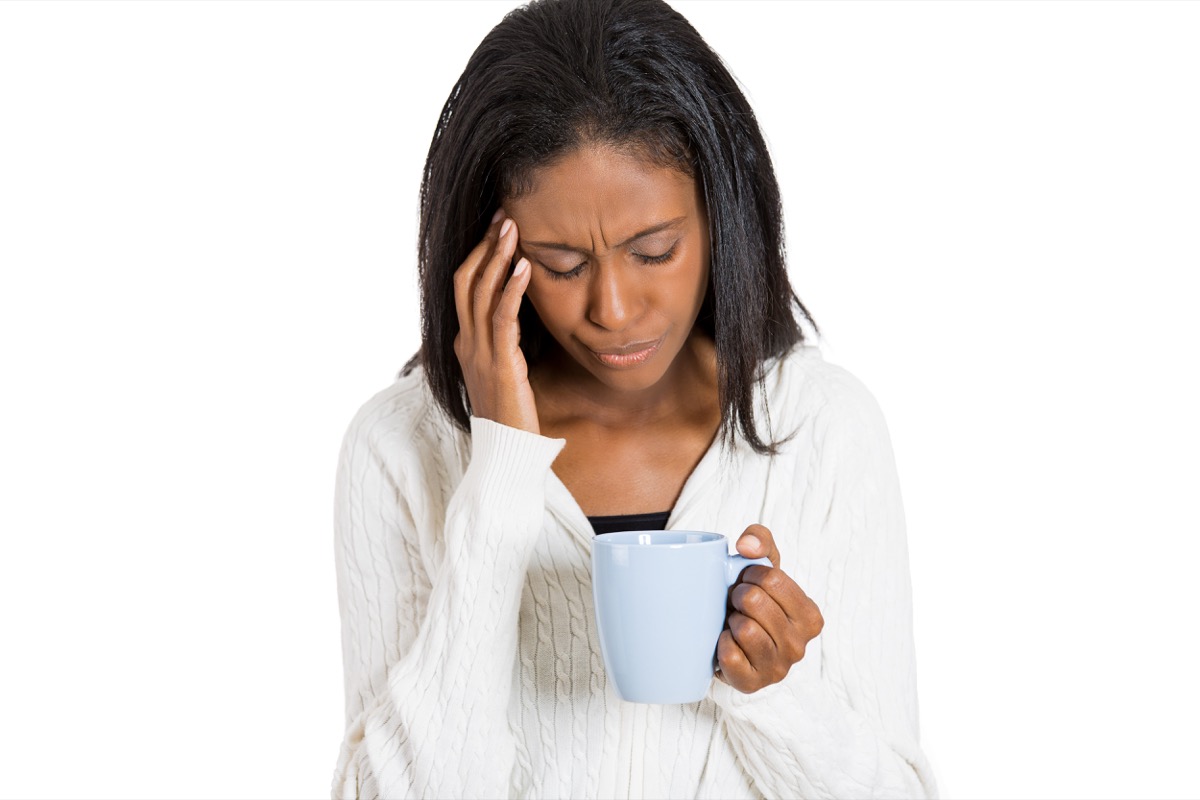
[[472, 665]]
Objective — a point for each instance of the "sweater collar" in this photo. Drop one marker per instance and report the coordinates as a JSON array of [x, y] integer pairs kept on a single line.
[[687, 514]]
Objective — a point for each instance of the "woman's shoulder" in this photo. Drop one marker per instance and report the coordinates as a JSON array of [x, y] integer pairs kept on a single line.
[[803, 389], [402, 419]]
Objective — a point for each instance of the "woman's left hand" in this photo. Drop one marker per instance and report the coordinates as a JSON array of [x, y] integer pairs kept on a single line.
[[770, 622]]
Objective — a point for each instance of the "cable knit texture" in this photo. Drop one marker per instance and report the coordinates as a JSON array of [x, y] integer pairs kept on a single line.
[[472, 663]]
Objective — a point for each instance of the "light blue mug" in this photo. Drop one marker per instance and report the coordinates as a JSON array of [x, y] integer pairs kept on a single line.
[[660, 608]]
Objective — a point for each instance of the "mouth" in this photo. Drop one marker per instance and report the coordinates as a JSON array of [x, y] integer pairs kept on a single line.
[[629, 355]]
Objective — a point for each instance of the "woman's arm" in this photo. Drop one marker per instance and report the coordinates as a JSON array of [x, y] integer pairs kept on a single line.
[[845, 726], [430, 709]]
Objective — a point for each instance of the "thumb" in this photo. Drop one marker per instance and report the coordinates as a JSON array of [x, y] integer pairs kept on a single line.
[[757, 542]]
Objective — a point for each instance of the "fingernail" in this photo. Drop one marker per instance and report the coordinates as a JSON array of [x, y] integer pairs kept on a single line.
[[522, 265], [751, 543], [496, 217], [504, 228]]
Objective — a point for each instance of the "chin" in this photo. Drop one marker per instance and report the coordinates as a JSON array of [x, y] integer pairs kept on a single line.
[[627, 382]]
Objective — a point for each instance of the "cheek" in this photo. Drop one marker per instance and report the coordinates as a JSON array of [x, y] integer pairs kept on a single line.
[[551, 302], [688, 283]]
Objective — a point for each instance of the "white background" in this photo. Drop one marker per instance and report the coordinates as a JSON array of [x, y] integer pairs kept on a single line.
[[207, 227]]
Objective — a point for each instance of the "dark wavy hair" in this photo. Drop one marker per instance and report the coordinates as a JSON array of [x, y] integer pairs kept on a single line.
[[557, 75]]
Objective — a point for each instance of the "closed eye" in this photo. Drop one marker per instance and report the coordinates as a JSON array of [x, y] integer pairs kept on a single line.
[[659, 259], [562, 276]]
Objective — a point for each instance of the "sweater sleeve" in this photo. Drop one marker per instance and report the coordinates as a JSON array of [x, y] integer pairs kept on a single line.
[[846, 726], [428, 715]]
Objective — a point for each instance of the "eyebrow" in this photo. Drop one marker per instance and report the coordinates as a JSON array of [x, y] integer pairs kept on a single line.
[[671, 223]]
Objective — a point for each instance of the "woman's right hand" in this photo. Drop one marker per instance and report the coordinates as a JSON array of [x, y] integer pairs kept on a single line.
[[488, 340]]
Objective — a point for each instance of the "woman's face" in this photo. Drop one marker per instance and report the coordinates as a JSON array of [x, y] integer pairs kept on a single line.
[[620, 256]]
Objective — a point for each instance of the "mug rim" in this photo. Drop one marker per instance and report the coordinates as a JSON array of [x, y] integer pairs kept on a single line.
[[610, 539]]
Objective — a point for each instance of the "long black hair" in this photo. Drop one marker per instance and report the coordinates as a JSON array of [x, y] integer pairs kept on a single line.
[[556, 75]]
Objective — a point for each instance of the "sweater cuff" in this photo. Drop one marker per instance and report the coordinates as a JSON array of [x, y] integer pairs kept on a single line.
[[504, 458], [752, 705]]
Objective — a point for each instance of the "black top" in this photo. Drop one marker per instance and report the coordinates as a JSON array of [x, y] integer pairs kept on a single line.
[[630, 522]]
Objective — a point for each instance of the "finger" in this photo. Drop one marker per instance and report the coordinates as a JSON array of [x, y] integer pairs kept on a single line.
[[731, 660], [506, 331], [753, 640], [467, 272], [753, 602], [757, 542], [491, 281], [784, 591]]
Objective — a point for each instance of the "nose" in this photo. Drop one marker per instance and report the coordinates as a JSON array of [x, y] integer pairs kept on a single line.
[[613, 300]]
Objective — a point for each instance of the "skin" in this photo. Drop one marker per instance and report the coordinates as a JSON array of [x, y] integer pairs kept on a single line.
[[634, 432]]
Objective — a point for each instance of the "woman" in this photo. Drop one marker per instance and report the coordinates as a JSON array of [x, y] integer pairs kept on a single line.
[[609, 342]]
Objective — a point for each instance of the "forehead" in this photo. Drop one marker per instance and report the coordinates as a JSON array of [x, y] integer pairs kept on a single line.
[[601, 193]]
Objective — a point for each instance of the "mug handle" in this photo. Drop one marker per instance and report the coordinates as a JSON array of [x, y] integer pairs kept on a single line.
[[734, 564]]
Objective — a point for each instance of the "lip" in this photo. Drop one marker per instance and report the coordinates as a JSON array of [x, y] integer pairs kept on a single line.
[[630, 355]]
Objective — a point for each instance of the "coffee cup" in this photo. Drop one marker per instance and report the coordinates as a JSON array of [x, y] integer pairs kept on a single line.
[[660, 607]]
